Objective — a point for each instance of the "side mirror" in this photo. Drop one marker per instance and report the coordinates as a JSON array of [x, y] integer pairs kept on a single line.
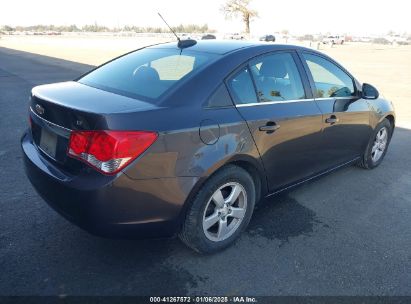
[[369, 92]]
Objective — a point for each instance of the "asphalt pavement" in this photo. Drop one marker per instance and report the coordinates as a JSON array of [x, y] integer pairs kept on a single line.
[[348, 233]]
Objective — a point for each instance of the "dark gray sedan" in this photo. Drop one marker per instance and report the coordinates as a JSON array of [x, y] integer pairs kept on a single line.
[[186, 138], [267, 38]]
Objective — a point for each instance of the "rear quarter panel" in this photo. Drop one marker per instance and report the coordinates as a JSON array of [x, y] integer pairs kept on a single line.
[[224, 138]]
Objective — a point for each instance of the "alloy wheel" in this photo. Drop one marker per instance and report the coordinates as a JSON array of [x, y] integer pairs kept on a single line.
[[380, 144], [224, 211]]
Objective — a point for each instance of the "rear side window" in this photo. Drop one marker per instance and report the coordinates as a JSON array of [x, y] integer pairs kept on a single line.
[[277, 78], [330, 81], [148, 73], [242, 87]]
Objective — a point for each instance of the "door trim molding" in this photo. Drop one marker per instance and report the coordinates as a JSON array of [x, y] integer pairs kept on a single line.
[[314, 176]]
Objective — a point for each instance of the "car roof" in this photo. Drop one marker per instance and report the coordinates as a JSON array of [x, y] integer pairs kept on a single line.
[[224, 46], [213, 46]]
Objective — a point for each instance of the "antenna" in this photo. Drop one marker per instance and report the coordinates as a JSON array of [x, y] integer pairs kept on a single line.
[[178, 38], [182, 44]]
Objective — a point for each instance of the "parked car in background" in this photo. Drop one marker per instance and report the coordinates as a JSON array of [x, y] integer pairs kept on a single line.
[[334, 40], [186, 138], [185, 36], [306, 37], [362, 39], [208, 37], [381, 40], [396, 39], [267, 38], [236, 36]]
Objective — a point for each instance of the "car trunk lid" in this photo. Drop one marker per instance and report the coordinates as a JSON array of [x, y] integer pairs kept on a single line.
[[57, 109]]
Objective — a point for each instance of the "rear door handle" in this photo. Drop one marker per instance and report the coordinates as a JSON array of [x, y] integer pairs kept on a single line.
[[332, 119], [270, 127]]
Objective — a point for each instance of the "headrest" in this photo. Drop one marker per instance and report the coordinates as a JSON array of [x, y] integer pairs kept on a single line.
[[146, 73], [273, 68]]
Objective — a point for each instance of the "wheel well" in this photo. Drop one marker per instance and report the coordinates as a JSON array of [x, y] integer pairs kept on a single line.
[[256, 176], [391, 119]]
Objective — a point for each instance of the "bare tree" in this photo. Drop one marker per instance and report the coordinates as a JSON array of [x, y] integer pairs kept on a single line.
[[234, 8]]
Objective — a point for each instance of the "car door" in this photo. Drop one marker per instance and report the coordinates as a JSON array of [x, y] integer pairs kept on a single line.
[[284, 120], [346, 125]]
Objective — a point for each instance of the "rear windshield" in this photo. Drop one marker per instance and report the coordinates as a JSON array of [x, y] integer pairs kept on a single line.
[[148, 73]]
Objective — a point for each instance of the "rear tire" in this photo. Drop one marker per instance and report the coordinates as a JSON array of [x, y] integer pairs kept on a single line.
[[377, 146], [220, 211]]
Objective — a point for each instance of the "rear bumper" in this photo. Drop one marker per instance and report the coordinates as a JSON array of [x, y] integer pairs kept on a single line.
[[109, 206]]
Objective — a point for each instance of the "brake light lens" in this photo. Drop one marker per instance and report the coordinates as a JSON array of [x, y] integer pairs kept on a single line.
[[109, 151]]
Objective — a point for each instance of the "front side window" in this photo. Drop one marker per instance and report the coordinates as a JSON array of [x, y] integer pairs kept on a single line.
[[330, 81], [148, 73], [277, 78]]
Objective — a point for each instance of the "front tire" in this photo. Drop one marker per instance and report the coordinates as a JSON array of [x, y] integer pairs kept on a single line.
[[377, 146], [220, 211]]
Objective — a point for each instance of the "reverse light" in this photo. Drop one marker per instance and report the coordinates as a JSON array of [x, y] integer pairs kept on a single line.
[[109, 151]]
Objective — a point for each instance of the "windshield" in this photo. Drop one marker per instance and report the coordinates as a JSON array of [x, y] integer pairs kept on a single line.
[[147, 73]]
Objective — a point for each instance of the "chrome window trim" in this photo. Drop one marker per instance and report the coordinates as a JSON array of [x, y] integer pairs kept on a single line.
[[290, 101], [328, 98], [272, 102]]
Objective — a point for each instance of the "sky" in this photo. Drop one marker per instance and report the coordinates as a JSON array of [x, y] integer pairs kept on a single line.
[[359, 17]]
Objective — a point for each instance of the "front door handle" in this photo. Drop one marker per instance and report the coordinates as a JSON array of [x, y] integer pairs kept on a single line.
[[332, 119], [270, 127]]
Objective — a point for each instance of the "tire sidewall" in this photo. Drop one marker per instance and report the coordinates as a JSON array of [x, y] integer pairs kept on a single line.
[[196, 212], [368, 157]]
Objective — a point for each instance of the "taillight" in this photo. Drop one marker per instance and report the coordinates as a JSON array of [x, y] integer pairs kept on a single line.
[[109, 151]]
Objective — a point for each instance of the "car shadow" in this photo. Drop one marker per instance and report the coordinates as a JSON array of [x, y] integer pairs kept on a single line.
[[46, 60]]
